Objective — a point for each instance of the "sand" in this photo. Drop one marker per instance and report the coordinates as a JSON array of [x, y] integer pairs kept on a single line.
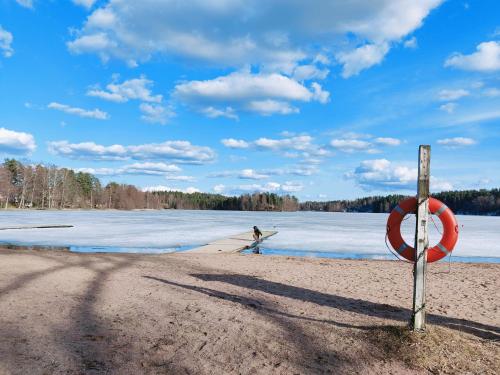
[[67, 313]]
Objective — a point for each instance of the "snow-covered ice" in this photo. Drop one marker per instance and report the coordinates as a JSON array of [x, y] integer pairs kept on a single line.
[[359, 233]]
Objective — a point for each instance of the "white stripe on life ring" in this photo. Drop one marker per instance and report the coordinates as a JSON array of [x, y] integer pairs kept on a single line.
[[443, 249], [441, 210], [402, 248], [400, 210]]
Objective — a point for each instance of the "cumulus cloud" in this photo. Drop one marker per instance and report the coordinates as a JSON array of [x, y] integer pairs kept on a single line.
[[297, 143], [293, 146], [18, 143], [251, 174], [263, 93], [386, 141], [447, 95], [381, 174], [95, 113], [176, 151], [6, 40], [227, 112], [238, 33], [235, 143], [156, 113], [457, 142], [350, 145], [137, 88], [288, 187], [148, 169], [308, 72], [219, 189], [362, 58], [485, 59], [353, 142]]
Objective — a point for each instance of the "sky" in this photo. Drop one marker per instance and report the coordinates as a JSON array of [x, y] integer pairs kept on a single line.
[[322, 99]]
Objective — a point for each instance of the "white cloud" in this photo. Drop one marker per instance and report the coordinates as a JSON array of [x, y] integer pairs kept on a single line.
[[88, 150], [219, 189], [95, 113], [85, 3], [485, 59], [97, 43], [180, 178], [271, 187], [298, 143], [447, 95], [25, 3], [251, 174], [264, 93], [137, 88], [6, 40], [387, 141], [361, 58], [238, 33], [176, 151], [456, 142], [410, 43], [309, 71], [292, 146], [156, 113], [212, 112], [235, 143], [147, 169], [13, 142], [381, 174], [350, 145]]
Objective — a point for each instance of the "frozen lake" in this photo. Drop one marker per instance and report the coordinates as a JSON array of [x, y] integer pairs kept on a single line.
[[306, 233]]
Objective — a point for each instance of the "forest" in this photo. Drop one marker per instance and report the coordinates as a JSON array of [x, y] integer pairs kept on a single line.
[[38, 186], [465, 202], [27, 186]]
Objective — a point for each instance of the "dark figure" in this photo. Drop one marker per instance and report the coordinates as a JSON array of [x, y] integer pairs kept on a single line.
[[257, 234]]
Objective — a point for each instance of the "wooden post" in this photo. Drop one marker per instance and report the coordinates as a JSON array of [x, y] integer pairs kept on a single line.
[[421, 239]]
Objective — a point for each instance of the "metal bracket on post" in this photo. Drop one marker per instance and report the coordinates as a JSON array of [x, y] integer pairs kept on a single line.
[[421, 239]]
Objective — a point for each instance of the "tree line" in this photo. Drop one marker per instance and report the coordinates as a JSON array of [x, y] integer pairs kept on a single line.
[[24, 185], [465, 202]]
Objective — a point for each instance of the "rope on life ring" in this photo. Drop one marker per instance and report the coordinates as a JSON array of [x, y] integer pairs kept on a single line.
[[450, 229]]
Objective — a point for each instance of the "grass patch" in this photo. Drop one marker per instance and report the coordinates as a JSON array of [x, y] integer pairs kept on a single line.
[[438, 350]]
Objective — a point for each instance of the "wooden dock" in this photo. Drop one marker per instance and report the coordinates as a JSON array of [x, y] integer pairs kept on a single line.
[[37, 227], [232, 244]]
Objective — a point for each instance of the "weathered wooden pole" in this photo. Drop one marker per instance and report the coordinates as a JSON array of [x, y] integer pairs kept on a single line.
[[421, 238]]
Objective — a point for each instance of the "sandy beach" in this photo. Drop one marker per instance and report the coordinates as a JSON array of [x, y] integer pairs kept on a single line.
[[68, 313]]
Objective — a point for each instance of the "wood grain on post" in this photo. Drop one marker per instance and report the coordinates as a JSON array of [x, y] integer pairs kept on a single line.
[[421, 238]]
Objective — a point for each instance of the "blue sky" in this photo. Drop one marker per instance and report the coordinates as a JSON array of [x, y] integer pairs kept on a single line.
[[320, 99]]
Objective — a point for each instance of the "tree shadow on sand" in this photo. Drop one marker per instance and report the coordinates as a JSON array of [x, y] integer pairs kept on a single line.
[[87, 345], [306, 351], [378, 310]]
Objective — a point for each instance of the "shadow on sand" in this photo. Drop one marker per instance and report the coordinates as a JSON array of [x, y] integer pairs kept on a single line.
[[378, 310]]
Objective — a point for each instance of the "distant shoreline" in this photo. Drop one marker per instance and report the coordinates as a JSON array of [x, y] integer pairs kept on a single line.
[[15, 209]]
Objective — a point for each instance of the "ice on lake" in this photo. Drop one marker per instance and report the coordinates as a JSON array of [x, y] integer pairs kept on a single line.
[[145, 231]]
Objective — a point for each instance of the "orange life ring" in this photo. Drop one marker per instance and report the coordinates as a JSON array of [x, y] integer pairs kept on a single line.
[[436, 207]]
